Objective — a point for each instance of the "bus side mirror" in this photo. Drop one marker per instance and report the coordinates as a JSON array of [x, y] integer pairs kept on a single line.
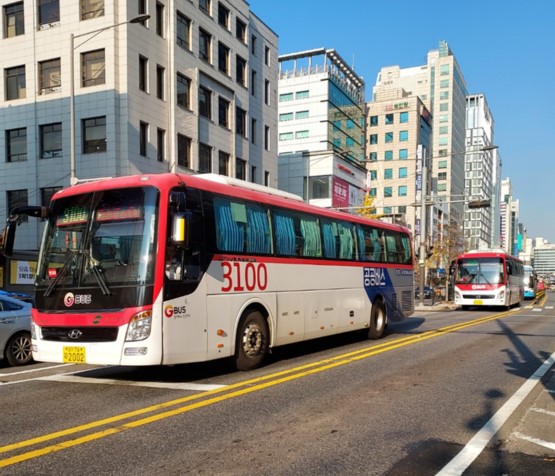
[[180, 228]]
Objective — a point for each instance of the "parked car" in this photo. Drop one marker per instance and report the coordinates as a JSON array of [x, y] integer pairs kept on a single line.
[[427, 292], [17, 295], [15, 331]]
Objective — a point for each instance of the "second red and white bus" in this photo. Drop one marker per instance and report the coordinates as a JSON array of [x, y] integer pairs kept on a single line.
[[169, 268], [488, 278]]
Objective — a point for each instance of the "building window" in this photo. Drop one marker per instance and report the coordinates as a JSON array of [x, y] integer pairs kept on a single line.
[[403, 154], [373, 192], [49, 76], [15, 83], [444, 107], [302, 135], [373, 174], [444, 95], [444, 70], [337, 143], [301, 95], [16, 145], [223, 16], [443, 141], [46, 195], [388, 192], [444, 83], [49, 11], [143, 138], [286, 136], [14, 20], [183, 151], [205, 5], [442, 164], [253, 173], [93, 68], [301, 115], [444, 118], [205, 45], [443, 130], [143, 74], [223, 112], [403, 136], [403, 117], [266, 92], [285, 97], [388, 137], [402, 191], [253, 130], [286, 116], [253, 83], [94, 135], [373, 156], [266, 137], [442, 176], [223, 163], [389, 119], [160, 145], [240, 169], [241, 71], [253, 45], [50, 140], [204, 100], [267, 55], [403, 172], [373, 138], [160, 81], [441, 187], [204, 159], [388, 174], [241, 121], [388, 155], [183, 31], [241, 30], [17, 198], [183, 91], [223, 58], [373, 121], [92, 9], [160, 19]]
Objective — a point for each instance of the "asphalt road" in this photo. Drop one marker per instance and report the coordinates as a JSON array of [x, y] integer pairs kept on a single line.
[[408, 404]]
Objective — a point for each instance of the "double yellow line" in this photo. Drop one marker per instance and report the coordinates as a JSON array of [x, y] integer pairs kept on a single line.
[[118, 423]]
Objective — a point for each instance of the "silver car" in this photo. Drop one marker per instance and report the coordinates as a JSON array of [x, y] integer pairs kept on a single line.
[[15, 331]]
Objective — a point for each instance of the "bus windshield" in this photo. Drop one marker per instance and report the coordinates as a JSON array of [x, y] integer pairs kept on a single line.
[[480, 271], [102, 239]]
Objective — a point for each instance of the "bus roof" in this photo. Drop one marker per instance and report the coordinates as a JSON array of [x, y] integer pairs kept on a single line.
[[487, 254], [218, 184]]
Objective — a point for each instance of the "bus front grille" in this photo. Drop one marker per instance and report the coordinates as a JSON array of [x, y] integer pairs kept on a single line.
[[80, 334]]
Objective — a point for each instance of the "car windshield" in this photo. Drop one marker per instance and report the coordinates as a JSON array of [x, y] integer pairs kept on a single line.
[[480, 271], [100, 239]]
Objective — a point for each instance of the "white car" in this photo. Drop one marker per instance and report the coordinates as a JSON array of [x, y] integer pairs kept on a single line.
[[15, 331]]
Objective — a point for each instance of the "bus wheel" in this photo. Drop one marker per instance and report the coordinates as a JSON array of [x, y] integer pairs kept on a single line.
[[252, 341], [377, 321]]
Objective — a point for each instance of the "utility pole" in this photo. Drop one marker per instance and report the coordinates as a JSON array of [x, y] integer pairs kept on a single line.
[[421, 154]]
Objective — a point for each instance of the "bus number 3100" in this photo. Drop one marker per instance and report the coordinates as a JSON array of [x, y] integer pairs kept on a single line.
[[244, 276]]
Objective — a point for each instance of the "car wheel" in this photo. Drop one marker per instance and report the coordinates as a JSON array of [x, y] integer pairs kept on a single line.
[[18, 349]]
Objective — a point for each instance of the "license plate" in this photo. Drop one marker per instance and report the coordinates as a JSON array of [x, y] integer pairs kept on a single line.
[[478, 302], [74, 355]]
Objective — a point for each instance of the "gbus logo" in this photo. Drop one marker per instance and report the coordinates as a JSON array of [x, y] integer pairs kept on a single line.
[[168, 311], [70, 299]]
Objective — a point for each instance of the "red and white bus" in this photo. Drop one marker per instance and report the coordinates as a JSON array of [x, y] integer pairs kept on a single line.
[[488, 278], [169, 268]]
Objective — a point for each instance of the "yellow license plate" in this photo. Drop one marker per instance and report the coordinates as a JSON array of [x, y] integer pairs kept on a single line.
[[74, 355], [478, 302]]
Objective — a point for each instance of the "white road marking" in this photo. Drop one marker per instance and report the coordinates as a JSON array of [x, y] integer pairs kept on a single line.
[[479, 441], [537, 441], [543, 410], [537, 309], [197, 387], [33, 370]]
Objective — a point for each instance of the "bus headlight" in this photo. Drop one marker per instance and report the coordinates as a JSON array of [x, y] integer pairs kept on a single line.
[[502, 295], [139, 326]]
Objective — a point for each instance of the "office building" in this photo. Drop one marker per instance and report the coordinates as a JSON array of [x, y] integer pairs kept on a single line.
[[321, 129], [95, 88]]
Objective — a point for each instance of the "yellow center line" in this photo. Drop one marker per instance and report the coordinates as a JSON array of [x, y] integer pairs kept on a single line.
[[211, 397]]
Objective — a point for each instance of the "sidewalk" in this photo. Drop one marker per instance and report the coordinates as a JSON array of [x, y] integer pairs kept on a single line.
[[438, 306]]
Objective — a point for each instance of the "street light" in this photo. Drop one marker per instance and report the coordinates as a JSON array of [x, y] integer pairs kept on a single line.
[[138, 19]]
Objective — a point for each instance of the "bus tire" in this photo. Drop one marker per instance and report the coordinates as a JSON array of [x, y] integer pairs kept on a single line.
[[377, 320], [252, 341]]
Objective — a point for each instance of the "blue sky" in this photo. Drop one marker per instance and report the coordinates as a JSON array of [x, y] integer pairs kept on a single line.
[[505, 48]]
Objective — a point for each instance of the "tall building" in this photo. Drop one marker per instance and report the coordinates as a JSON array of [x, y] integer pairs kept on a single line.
[[397, 126], [544, 258], [321, 129], [509, 218], [480, 174], [95, 88], [441, 86]]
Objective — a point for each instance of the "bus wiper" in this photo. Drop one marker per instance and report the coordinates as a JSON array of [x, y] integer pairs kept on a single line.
[[97, 273], [61, 273]]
